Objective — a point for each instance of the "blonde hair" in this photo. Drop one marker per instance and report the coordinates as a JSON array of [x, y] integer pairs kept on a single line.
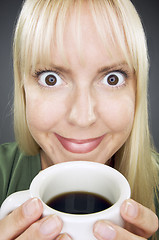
[[41, 24]]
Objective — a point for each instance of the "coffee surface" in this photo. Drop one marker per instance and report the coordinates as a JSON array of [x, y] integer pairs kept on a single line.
[[79, 203]]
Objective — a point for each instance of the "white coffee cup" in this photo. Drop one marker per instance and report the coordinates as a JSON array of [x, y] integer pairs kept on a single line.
[[75, 176]]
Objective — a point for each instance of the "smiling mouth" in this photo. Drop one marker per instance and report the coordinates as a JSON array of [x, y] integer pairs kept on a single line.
[[79, 146]]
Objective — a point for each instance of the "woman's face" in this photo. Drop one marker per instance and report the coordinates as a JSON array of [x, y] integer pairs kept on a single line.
[[82, 109]]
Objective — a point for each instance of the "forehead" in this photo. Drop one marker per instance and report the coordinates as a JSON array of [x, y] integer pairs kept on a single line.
[[84, 45], [81, 31]]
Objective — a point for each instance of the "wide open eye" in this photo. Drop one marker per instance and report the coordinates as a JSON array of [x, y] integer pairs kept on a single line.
[[114, 79], [49, 79]]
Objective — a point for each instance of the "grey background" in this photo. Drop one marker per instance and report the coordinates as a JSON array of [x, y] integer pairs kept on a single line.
[[9, 9]]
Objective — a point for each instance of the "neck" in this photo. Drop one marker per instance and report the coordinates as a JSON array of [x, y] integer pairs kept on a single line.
[[45, 161]]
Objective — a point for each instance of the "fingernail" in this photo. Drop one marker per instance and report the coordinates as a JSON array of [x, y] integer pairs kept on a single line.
[[50, 225], [30, 207], [131, 209], [63, 237], [105, 231]]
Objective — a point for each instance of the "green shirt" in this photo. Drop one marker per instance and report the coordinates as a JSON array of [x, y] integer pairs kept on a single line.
[[16, 169]]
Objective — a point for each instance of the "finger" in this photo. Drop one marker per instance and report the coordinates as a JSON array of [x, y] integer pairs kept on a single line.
[[144, 221], [21, 218], [47, 228], [63, 236], [104, 230]]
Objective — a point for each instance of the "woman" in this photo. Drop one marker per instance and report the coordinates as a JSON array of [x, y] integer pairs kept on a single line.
[[80, 94]]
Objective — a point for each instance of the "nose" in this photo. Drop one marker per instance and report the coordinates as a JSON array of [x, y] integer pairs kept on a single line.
[[82, 109]]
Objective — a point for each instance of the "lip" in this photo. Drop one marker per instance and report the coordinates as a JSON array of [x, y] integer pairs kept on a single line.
[[79, 145]]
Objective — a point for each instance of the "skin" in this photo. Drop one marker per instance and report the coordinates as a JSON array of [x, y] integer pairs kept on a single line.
[[81, 105], [92, 109]]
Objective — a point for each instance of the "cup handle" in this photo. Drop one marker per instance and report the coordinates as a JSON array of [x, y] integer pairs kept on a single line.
[[13, 201]]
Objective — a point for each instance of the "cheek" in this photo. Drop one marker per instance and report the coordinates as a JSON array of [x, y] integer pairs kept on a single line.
[[119, 114], [42, 112]]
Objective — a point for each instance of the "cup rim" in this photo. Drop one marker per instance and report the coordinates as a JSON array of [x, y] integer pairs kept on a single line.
[[125, 194]]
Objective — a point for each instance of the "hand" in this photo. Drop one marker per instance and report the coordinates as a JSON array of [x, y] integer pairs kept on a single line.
[[25, 223], [140, 223]]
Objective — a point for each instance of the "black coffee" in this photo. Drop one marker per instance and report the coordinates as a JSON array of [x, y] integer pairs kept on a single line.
[[79, 203]]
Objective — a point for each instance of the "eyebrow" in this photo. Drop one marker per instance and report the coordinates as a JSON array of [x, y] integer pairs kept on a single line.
[[113, 67], [59, 68], [101, 70]]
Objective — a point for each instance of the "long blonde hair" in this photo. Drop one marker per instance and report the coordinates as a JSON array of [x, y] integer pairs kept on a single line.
[[41, 24]]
